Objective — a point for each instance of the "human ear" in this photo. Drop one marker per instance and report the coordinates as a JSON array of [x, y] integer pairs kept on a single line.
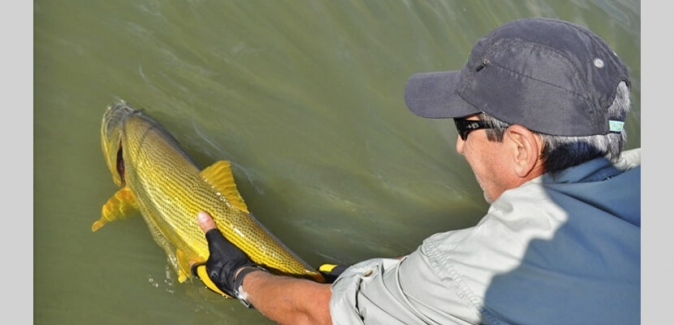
[[525, 149]]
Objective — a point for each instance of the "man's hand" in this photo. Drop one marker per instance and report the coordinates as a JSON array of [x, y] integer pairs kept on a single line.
[[219, 273], [283, 299]]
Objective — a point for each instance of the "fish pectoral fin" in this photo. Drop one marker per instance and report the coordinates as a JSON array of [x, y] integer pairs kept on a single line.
[[119, 206], [183, 266], [219, 176]]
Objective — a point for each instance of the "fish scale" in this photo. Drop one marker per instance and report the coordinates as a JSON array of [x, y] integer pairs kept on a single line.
[[169, 189]]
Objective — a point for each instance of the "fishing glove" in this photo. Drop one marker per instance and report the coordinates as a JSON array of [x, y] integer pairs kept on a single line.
[[332, 271], [218, 272]]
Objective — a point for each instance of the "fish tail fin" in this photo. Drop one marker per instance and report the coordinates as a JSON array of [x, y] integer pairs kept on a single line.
[[317, 276]]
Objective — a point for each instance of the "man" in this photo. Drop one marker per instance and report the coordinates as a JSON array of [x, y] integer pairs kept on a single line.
[[539, 108]]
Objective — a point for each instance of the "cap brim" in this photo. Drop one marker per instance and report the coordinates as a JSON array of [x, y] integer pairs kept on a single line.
[[434, 95]]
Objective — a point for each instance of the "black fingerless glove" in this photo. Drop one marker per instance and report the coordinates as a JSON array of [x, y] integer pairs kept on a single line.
[[332, 271], [225, 259]]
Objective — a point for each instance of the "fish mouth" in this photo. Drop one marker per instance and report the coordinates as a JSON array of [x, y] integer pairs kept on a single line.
[[115, 116]]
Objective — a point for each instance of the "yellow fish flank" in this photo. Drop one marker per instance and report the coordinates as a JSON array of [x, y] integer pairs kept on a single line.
[[157, 178]]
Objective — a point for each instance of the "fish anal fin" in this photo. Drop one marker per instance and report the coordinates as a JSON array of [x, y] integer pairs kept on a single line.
[[219, 175], [119, 206]]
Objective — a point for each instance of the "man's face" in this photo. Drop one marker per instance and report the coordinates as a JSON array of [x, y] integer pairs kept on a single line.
[[488, 160]]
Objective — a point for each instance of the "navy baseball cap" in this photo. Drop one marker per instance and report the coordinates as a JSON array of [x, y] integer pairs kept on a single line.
[[548, 75]]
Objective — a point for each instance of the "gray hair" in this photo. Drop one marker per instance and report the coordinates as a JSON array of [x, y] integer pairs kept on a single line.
[[561, 152]]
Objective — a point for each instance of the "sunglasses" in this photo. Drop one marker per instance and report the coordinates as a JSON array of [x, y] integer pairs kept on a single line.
[[464, 127]]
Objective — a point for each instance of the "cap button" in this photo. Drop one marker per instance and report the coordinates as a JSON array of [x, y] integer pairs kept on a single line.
[[598, 63]]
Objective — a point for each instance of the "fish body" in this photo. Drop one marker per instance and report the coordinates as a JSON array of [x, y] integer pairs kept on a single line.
[[160, 180]]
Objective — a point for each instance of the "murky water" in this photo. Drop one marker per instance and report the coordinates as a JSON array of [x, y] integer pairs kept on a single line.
[[305, 98]]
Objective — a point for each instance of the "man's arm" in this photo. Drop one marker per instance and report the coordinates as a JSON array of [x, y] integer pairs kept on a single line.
[[285, 300], [288, 300]]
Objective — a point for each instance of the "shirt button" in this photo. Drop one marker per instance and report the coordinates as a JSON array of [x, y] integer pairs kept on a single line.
[[368, 273]]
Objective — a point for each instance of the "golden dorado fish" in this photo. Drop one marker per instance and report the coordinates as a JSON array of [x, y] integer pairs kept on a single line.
[[162, 182]]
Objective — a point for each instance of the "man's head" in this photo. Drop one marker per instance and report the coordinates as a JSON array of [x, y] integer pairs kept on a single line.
[[560, 82]]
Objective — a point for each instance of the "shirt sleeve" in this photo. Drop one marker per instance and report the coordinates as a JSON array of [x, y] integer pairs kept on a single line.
[[392, 291]]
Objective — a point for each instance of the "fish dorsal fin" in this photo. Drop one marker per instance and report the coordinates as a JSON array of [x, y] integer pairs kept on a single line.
[[220, 176]]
